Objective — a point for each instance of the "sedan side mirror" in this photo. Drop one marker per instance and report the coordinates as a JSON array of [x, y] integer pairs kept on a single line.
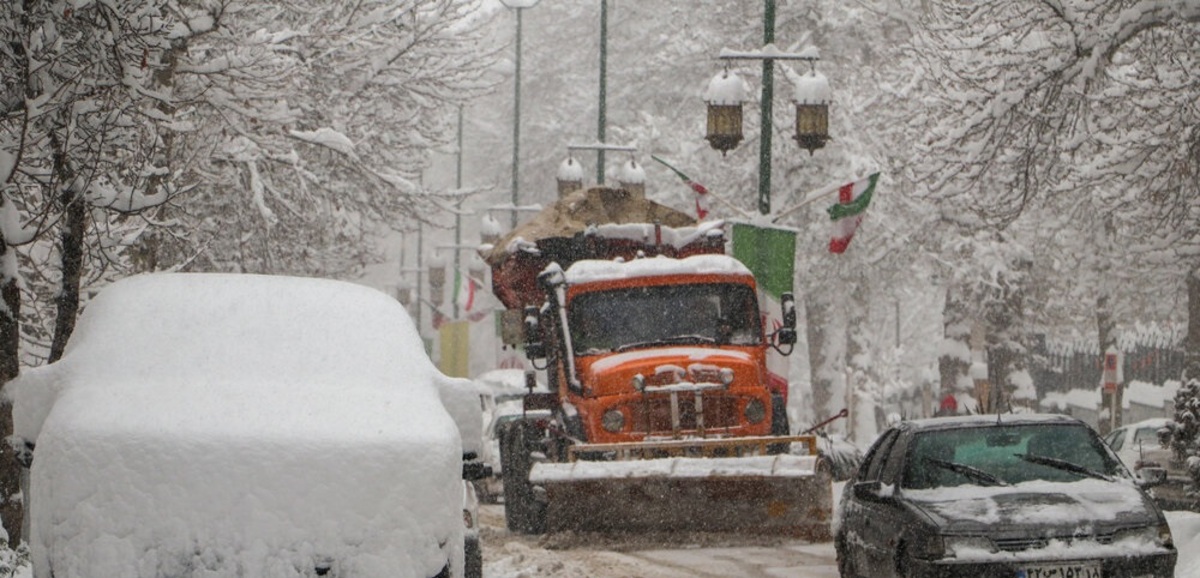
[[1152, 476], [870, 491]]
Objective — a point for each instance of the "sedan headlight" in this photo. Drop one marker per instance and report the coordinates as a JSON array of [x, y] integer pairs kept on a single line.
[[927, 547], [613, 421], [1157, 535], [964, 546]]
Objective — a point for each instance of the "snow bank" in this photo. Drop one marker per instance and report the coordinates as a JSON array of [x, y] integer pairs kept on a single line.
[[241, 425]]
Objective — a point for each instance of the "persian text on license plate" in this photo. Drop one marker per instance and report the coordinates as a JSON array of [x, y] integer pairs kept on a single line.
[[1061, 571]]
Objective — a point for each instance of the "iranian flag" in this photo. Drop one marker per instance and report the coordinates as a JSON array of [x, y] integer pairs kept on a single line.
[[464, 291], [853, 199], [699, 189]]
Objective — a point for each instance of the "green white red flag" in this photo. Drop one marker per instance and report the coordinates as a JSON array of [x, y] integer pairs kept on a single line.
[[847, 214], [464, 291], [701, 192]]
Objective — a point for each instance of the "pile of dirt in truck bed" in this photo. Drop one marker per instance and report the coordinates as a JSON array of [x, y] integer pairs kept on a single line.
[[595, 206]]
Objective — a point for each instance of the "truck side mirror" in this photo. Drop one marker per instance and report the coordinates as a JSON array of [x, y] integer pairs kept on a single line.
[[534, 348], [786, 335], [787, 302]]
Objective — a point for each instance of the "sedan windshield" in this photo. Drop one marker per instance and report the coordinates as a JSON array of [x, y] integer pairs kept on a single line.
[[621, 319], [1005, 455]]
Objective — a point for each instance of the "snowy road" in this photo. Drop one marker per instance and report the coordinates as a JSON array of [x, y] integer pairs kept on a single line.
[[506, 555]]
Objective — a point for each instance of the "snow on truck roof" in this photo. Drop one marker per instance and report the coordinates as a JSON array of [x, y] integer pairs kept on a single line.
[[592, 270], [239, 425]]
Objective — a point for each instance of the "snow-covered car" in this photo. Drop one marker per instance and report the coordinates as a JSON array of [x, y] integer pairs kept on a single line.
[[241, 425], [1143, 448], [464, 400], [1019, 495]]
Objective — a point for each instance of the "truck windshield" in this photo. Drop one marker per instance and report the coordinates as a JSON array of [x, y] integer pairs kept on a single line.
[[620, 319]]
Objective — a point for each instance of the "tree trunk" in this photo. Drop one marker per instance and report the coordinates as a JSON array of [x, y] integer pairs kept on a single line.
[[1110, 403], [869, 403], [817, 316], [954, 365], [1185, 440], [12, 510], [67, 301]]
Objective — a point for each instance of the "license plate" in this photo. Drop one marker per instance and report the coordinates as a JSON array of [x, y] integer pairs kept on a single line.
[[1061, 571]]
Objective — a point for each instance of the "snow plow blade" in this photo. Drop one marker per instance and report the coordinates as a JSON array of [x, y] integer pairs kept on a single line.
[[783, 495]]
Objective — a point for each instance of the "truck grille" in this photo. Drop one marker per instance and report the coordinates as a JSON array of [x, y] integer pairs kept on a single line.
[[653, 415]]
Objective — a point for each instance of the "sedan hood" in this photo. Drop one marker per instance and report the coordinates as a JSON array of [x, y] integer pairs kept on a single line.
[[1040, 504]]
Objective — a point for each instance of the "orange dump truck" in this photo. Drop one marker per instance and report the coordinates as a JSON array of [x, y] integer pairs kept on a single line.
[[663, 413]]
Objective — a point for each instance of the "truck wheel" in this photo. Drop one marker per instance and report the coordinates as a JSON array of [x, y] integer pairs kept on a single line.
[[474, 558], [523, 512], [779, 424]]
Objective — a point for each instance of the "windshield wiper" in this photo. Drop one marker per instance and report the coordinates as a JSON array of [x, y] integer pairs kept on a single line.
[[675, 339], [1063, 465], [968, 471]]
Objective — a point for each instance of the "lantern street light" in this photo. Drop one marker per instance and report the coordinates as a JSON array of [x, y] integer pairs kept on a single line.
[[725, 95], [570, 176], [570, 172], [518, 6]]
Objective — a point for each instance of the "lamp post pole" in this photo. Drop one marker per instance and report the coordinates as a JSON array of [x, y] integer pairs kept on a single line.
[[766, 126], [602, 121], [519, 6]]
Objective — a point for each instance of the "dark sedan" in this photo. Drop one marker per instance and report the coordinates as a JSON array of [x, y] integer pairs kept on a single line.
[[1012, 496]]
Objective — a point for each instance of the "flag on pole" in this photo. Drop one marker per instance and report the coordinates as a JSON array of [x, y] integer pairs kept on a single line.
[[853, 199], [701, 192], [464, 291]]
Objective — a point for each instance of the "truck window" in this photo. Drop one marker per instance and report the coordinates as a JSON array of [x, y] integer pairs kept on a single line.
[[628, 318]]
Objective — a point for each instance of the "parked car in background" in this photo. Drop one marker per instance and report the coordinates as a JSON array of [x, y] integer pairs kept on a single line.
[[1021, 495], [1144, 447], [241, 426]]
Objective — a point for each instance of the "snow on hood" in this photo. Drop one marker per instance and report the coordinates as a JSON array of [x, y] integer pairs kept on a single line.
[[241, 425], [1034, 503], [696, 354]]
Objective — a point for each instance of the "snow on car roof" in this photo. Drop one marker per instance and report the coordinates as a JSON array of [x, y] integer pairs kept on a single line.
[[238, 425], [981, 420], [591, 270]]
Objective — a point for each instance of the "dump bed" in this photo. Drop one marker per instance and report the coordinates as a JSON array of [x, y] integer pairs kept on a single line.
[[597, 223]]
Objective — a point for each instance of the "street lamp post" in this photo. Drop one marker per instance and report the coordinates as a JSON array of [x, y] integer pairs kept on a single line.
[[570, 174], [724, 108], [519, 6]]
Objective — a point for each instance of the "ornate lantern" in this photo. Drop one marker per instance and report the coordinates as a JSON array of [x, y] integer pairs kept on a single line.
[[570, 177], [404, 293], [489, 230], [725, 94], [812, 111], [437, 279], [633, 179]]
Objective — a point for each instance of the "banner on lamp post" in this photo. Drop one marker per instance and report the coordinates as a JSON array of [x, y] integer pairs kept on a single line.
[[770, 254]]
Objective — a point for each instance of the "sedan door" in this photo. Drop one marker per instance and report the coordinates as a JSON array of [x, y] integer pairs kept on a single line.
[[870, 535]]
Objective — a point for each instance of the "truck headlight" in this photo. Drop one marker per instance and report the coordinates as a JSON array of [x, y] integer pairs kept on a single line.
[[755, 411], [613, 421]]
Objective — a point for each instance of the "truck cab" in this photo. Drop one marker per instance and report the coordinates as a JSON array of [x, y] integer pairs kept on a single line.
[[656, 349]]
